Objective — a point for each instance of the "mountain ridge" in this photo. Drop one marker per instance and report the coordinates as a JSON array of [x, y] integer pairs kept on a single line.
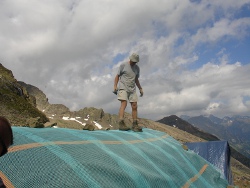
[[175, 121]]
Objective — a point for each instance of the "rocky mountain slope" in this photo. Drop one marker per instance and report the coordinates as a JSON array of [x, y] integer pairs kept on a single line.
[[16, 104], [60, 116], [27, 105]]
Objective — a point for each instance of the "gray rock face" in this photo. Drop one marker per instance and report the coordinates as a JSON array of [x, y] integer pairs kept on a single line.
[[40, 97]]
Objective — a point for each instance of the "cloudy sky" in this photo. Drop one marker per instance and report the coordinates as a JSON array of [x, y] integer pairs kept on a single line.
[[194, 54]]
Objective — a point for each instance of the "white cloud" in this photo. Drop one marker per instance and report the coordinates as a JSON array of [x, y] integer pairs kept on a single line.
[[67, 48]]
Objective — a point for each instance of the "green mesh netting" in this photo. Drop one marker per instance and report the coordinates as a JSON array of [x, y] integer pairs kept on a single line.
[[49, 157]]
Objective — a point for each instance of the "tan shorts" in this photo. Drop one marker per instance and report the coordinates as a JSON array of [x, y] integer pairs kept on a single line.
[[124, 96]]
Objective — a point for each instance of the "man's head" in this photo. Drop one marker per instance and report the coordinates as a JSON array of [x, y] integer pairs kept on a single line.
[[134, 58], [6, 135]]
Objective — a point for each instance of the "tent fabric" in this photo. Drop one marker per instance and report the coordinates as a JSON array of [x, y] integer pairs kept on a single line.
[[50, 157], [217, 153]]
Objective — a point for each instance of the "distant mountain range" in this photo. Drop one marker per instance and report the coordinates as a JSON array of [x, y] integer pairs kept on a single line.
[[179, 123]]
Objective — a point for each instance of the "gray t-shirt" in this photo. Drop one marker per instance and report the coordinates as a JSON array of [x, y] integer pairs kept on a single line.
[[127, 74]]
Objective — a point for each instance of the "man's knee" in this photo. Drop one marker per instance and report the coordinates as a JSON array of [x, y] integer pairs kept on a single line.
[[123, 104], [134, 105]]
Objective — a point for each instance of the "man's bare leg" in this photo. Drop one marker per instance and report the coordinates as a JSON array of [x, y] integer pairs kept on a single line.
[[135, 126], [122, 125], [134, 110], [122, 109]]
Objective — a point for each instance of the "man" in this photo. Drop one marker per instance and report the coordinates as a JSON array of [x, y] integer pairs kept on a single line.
[[6, 139], [128, 78]]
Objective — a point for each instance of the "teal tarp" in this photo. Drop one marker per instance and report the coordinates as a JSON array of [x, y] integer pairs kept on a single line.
[[50, 157]]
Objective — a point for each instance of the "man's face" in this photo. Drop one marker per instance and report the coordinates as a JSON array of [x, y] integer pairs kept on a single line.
[[132, 63]]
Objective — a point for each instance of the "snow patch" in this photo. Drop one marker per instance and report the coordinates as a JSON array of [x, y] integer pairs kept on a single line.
[[98, 125], [73, 119], [86, 119]]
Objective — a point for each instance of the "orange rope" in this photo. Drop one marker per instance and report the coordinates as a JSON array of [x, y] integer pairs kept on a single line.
[[35, 145], [193, 179]]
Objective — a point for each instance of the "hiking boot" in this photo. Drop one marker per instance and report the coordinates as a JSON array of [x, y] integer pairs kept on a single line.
[[122, 126], [136, 127]]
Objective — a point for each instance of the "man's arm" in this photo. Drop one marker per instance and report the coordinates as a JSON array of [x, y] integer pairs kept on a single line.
[[137, 82], [115, 84]]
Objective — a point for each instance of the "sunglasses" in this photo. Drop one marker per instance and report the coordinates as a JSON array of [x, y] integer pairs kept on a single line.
[[4, 151]]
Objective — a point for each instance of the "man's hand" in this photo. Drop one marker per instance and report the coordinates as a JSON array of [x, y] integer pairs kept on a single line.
[[115, 91], [141, 92]]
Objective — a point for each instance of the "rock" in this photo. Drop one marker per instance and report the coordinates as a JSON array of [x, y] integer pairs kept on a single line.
[[50, 124], [34, 122], [89, 127]]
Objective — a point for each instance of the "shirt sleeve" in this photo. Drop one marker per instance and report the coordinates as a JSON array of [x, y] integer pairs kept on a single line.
[[120, 70]]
